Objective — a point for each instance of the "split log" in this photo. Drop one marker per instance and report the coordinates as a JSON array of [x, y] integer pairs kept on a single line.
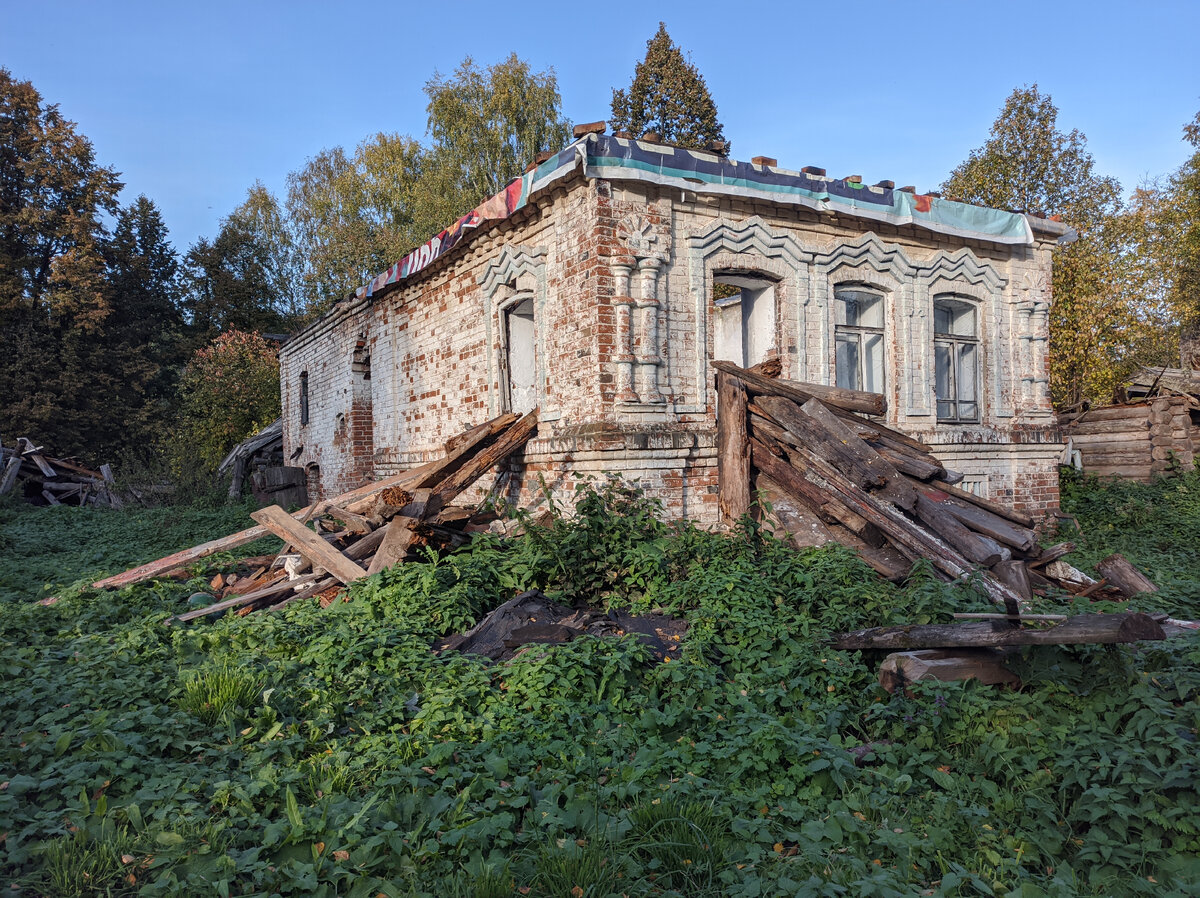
[[399, 535], [1052, 554], [849, 400], [911, 463], [974, 547], [901, 669], [1082, 629], [315, 549], [479, 464], [733, 449], [996, 508], [1016, 576], [894, 487], [1117, 570]]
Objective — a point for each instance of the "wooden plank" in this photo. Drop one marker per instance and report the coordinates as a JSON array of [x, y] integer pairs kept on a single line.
[[808, 433], [275, 588], [399, 535], [315, 549], [1118, 571], [480, 463], [50, 497], [355, 523], [849, 400], [43, 465], [733, 449], [1083, 629]]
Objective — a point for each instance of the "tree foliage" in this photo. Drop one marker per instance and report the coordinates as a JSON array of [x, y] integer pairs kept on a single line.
[[229, 391], [668, 95], [1028, 163], [488, 124]]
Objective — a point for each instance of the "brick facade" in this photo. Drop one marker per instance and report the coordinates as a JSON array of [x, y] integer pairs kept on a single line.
[[620, 274]]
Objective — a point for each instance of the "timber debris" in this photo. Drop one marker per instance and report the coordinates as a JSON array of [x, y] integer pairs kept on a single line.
[[355, 534], [44, 480]]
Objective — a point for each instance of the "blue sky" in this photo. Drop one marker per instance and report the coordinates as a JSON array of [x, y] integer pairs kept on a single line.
[[193, 102]]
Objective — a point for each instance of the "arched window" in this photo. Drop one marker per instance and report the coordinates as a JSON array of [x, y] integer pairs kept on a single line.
[[858, 336], [956, 359]]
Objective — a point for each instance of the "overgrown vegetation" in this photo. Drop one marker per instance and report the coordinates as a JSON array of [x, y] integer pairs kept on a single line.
[[313, 752]]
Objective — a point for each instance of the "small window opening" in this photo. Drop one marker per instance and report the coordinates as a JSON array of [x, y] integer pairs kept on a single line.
[[858, 336], [303, 397], [956, 359], [744, 319], [521, 358]]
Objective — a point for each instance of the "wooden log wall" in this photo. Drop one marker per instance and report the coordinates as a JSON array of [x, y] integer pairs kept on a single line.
[[1135, 441]]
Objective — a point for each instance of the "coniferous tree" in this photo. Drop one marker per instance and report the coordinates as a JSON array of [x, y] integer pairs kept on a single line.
[[668, 95]]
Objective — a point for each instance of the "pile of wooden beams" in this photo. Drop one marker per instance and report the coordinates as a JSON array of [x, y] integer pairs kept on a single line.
[[358, 533], [834, 474], [42, 479]]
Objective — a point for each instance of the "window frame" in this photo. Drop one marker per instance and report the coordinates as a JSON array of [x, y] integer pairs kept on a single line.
[[956, 344], [859, 331]]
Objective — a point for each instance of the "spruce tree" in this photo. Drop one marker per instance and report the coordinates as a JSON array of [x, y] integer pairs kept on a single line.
[[668, 95]]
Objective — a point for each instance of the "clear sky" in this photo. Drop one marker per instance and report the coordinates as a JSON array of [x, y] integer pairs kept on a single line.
[[193, 102]]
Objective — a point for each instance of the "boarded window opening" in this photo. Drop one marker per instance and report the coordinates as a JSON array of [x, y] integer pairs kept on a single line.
[[743, 318], [521, 356], [303, 398]]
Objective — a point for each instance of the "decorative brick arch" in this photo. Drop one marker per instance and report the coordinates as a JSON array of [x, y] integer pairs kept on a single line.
[[748, 246], [518, 271]]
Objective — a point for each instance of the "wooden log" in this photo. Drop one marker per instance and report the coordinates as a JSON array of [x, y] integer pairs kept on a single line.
[[911, 463], [973, 547], [1015, 575], [315, 549], [827, 506], [733, 450], [805, 431], [1118, 571], [480, 463], [895, 488], [1112, 412], [275, 588], [901, 669], [1052, 554], [981, 520], [849, 400], [400, 534], [909, 538], [472, 435], [996, 508], [1016, 618], [1079, 630]]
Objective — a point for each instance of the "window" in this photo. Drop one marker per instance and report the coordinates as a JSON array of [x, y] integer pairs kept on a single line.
[[956, 359], [858, 335], [744, 319], [303, 397], [521, 360]]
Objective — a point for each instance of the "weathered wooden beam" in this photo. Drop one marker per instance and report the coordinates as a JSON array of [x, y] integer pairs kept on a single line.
[[901, 669], [1118, 571], [850, 400], [313, 547], [10, 474], [1079, 630], [399, 534], [895, 488], [733, 449], [278, 587], [507, 442]]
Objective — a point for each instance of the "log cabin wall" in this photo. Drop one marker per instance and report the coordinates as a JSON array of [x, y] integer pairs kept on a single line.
[[1138, 441], [619, 276]]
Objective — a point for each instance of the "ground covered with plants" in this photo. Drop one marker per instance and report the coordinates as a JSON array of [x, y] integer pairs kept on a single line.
[[327, 752]]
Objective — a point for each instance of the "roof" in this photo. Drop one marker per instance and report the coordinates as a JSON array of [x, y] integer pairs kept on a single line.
[[616, 158]]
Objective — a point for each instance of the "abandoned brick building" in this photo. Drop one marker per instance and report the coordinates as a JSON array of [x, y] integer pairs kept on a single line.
[[599, 286]]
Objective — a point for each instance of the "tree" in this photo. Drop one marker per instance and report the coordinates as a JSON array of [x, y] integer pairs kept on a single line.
[[242, 279], [229, 391], [668, 95], [1028, 163], [488, 124], [54, 296]]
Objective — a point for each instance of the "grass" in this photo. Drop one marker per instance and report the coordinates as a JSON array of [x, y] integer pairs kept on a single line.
[[328, 752]]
